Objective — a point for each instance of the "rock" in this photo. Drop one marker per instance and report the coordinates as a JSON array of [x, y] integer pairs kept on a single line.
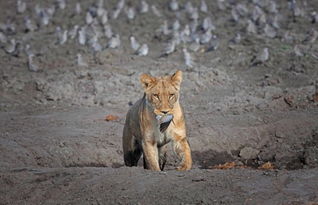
[[248, 153]]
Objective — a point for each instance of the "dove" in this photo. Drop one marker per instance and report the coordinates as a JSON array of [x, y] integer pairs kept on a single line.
[[206, 37], [176, 37], [80, 61], [176, 25], [100, 11], [100, 4], [114, 42], [251, 27], [144, 7], [21, 6], [156, 11], [220, 4], [50, 11], [235, 15], [8, 28], [194, 15], [188, 7], [297, 51], [187, 58], [169, 48], [214, 44], [130, 12], [78, 8], [311, 37], [31, 66], [261, 57], [27, 49], [116, 13], [95, 44], [193, 26], [73, 32], [173, 5], [120, 5], [45, 18], [104, 18], [61, 4], [11, 46], [195, 45], [143, 50], [29, 25], [134, 44], [236, 39], [269, 31], [108, 31], [203, 6], [164, 29], [314, 17], [63, 37], [273, 7], [89, 18], [241, 9], [82, 36], [207, 24], [3, 38], [257, 13]]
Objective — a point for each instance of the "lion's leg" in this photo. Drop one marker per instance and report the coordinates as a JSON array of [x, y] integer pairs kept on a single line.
[[150, 152], [182, 149], [132, 151], [162, 151]]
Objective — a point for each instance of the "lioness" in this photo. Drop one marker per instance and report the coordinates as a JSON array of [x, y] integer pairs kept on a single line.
[[145, 132]]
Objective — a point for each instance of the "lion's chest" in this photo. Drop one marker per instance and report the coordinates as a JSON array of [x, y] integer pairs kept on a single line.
[[163, 138]]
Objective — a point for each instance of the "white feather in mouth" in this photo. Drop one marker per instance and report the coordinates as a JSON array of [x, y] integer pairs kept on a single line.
[[164, 121]]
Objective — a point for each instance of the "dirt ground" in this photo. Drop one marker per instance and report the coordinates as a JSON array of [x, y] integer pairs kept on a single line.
[[57, 148]]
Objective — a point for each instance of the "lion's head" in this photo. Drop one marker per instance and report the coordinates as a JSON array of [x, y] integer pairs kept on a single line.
[[162, 92]]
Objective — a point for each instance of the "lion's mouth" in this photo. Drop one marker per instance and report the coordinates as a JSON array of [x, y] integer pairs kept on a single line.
[[164, 121]]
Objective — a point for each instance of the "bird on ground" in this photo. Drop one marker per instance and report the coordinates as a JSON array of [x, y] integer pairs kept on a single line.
[[143, 50], [169, 48], [261, 57], [134, 43], [80, 61], [31, 65], [82, 36], [73, 32], [29, 25], [203, 6], [144, 7], [173, 5], [21, 6], [156, 11], [108, 31], [78, 8], [187, 58], [114, 42]]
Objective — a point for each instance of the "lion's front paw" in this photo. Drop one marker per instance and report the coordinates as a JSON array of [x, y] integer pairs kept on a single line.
[[183, 168]]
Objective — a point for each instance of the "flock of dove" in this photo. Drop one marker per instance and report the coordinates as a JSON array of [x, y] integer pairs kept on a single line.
[[195, 32]]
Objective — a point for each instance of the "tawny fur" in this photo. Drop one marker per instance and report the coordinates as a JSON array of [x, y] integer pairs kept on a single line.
[[141, 135]]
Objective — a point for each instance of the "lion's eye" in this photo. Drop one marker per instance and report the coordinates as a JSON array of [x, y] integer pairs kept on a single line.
[[156, 96], [171, 96]]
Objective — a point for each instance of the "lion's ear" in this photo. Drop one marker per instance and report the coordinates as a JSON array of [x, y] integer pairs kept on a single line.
[[147, 80], [176, 78]]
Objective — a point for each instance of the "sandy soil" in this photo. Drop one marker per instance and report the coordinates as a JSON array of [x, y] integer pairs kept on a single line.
[[56, 147]]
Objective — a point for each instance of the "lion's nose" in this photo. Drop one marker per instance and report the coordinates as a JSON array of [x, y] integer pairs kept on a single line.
[[164, 112]]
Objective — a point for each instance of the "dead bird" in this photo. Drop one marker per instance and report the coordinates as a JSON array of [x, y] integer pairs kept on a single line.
[[164, 121]]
